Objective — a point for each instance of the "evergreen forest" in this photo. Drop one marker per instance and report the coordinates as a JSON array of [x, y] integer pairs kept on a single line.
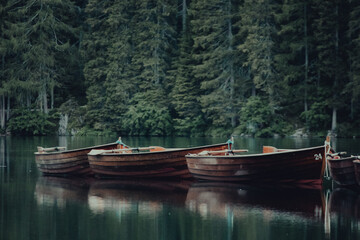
[[180, 67]]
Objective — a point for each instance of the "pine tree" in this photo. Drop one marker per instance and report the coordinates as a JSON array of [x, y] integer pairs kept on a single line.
[[216, 60], [41, 33], [354, 48], [153, 38], [259, 30], [93, 47], [4, 43], [293, 58], [328, 32], [119, 88], [107, 51], [185, 91]]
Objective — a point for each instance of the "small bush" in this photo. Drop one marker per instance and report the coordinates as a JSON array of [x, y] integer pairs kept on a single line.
[[32, 122], [148, 120]]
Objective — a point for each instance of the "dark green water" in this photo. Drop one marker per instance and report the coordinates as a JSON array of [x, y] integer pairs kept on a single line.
[[37, 207]]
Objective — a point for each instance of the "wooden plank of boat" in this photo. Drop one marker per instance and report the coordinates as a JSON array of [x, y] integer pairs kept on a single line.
[[59, 161], [126, 150], [357, 169], [306, 165], [342, 169], [155, 163]]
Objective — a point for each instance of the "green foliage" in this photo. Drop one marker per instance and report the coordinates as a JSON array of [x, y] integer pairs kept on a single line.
[[75, 113], [143, 70], [259, 32], [189, 126], [318, 116], [87, 131], [145, 119], [216, 60], [347, 130], [257, 119], [28, 122]]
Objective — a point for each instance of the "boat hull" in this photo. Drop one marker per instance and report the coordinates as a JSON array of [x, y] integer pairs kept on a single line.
[[302, 166], [70, 162], [159, 164], [342, 170], [357, 170]]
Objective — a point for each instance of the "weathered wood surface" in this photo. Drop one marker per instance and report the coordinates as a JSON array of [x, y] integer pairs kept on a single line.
[[342, 170], [306, 165], [152, 164], [68, 162], [357, 169]]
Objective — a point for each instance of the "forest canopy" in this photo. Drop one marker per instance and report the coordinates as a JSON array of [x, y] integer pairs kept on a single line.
[[185, 67]]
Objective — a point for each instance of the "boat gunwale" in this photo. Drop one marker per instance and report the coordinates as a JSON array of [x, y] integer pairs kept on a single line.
[[284, 151], [167, 150], [353, 158], [76, 150]]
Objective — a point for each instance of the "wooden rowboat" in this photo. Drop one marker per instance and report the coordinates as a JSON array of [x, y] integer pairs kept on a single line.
[[59, 161], [357, 169], [305, 166], [151, 162], [342, 169]]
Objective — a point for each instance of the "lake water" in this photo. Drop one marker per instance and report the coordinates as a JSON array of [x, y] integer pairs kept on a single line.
[[33, 206]]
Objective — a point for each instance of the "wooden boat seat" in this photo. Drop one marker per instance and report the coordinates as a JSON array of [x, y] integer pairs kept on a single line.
[[53, 149], [156, 148], [271, 149]]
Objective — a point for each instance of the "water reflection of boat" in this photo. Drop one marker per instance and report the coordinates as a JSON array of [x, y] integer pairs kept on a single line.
[[209, 198], [142, 196], [345, 202], [56, 190]]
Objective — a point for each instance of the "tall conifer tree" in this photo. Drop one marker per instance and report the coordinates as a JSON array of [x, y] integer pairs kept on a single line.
[[258, 26], [329, 31], [217, 61], [94, 48], [107, 50], [186, 89], [293, 58], [153, 37], [354, 57], [4, 45]]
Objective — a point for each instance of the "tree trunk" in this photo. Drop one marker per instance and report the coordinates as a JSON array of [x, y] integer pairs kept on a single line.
[[8, 108], [232, 91], [253, 90], [333, 124], [52, 97], [2, 97], [46, 109], [28, 99], [232, 75], [335, 95], [44, 100], [2, 112], [306, 62], [183, 15]]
